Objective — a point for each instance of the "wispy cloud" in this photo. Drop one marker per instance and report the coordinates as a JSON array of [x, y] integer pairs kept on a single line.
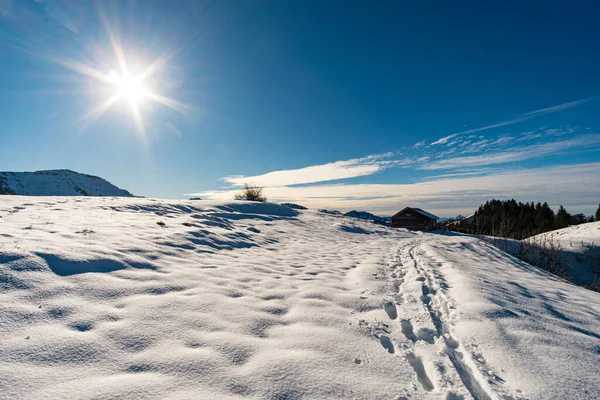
[[446, 140], [574, 186], [468, 169], [561, 107], [497, 125], [443, 140], [468, 157], [530, 115], [322, 173], [514, 153]]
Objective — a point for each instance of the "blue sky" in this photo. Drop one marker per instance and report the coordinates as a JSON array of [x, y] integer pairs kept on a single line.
[[338, 104]]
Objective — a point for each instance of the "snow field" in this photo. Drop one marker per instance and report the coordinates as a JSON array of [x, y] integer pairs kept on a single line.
[[145, 298]]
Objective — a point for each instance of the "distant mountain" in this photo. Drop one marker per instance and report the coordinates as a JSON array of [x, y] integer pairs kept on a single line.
[[330, 212], [58, 182], [294, 206], [367, 216]]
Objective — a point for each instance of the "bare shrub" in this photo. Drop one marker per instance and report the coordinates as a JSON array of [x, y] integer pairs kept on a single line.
[[251, 192], [591, 257], [543, 252], [546, 253]]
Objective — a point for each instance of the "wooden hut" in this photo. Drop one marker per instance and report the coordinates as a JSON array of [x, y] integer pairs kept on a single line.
[[415, 219]]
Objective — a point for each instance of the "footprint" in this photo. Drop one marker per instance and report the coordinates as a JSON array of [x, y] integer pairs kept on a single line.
[[387, 344], [390, 309], [416, 363], [82, 326], [397, 284], [407, 330], [428, 336]]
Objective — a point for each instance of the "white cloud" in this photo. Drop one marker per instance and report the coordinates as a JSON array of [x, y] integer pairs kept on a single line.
[[466, 154], [503, 140], [530, 115], [470, 169], [443, 140], [513, 154], [560, 107], [497, 125], [574, 186], [321, 173]]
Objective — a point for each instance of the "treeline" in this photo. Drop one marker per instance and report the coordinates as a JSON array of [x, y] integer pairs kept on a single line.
[[516, 220]]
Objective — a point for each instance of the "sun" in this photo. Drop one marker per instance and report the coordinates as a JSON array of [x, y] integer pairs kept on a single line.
[[131, 81], [124, 80], [132, 89]]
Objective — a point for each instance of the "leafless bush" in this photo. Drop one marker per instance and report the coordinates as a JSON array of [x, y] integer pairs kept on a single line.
[[546, 253], [595, 285], [542, 251], [251, 192], [591, 257]]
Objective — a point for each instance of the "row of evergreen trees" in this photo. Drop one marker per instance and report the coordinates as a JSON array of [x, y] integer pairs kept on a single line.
[[507, 218]]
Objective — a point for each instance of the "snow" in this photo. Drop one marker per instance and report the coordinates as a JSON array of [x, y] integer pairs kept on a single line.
[[576, 237], [60, 182], [143, 298], [577, 247], [580, 246]]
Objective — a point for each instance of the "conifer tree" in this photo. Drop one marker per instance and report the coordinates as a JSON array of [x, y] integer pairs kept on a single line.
[[563, 218]]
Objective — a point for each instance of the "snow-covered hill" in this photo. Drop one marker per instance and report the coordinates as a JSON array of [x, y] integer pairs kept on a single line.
[[60, 182], [580, 246], [140, 298], [575, 237]]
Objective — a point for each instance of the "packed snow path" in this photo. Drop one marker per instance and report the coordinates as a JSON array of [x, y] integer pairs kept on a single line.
[[143, 298]]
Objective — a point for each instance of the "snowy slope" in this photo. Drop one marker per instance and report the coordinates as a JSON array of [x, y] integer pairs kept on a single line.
[[579, 245], [140, 298], [575, 237], [60, 182]]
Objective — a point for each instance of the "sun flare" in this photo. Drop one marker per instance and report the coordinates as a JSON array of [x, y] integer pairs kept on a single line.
[[131, 89]]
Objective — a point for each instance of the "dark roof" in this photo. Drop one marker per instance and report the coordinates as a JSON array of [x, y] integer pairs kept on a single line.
[[425, 213], [422, 212]]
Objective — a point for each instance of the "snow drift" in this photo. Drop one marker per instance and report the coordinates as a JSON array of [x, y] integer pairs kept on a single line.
[[144, 298]]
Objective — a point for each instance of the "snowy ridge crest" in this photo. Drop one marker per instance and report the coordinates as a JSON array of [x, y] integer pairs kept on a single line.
[[58, 182]]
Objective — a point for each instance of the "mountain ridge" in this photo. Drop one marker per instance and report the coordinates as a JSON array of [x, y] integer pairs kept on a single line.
[[57, 182]]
